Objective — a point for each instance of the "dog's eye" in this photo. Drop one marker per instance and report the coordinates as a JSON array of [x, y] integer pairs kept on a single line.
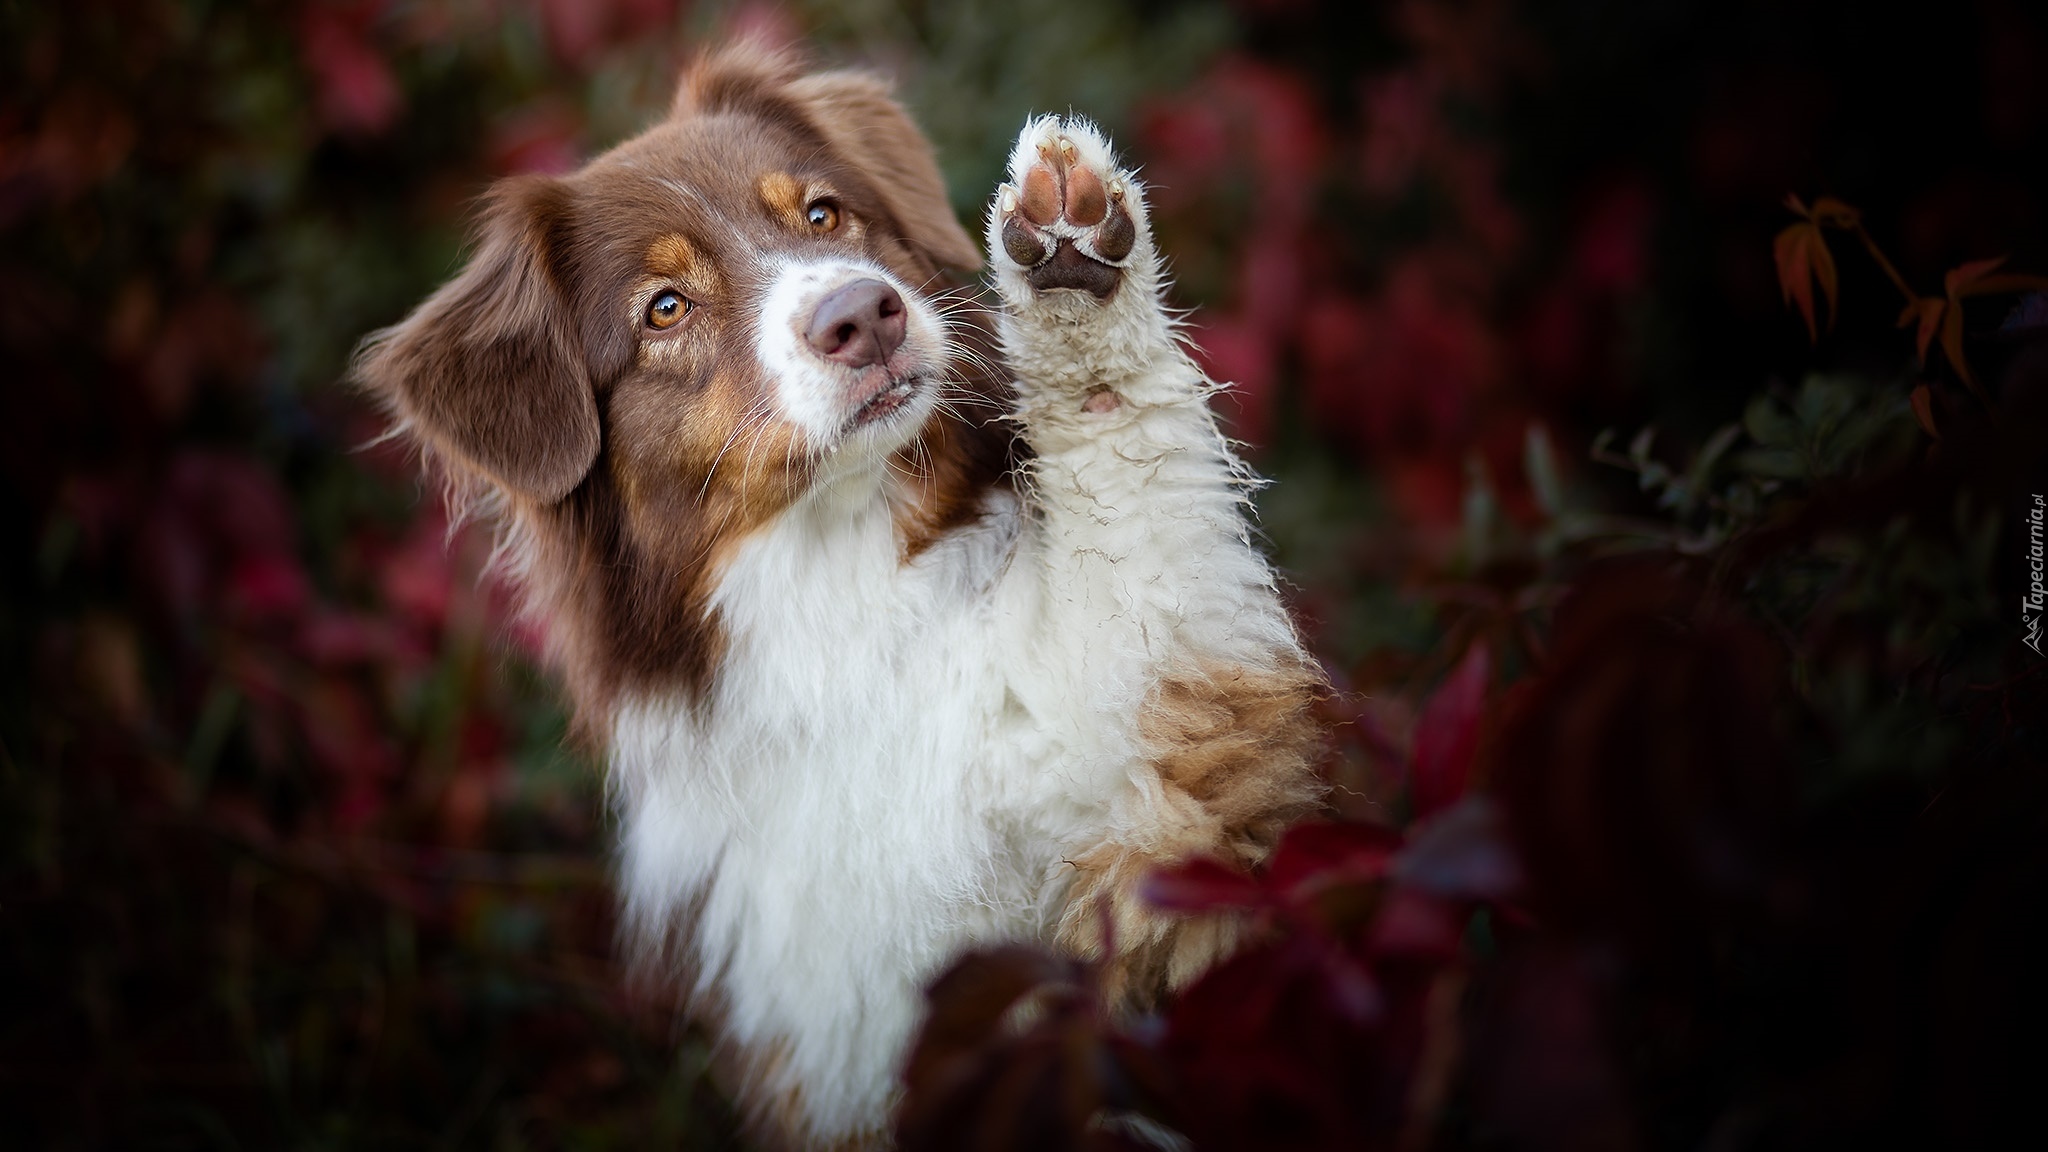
[[823, 215], [667, 309]]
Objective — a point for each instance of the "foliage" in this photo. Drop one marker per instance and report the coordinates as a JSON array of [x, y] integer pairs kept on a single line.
[[1680, 794], [1620, 877], [294, 852], [1803, 260], [1710, 798]]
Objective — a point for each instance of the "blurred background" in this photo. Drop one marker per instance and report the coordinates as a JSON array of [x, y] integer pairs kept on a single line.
[[1712, 744]]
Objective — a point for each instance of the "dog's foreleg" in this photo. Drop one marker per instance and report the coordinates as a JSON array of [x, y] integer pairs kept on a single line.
[[1175, 681]]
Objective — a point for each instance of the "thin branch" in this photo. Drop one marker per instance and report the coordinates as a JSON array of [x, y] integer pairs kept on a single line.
[[1898, 281]]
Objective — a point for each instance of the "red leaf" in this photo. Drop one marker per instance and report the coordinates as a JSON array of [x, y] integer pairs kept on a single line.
[[544, 136], [1286, 1036], [1974, 279], [1999, 285], [1923, 410], [1202, 885], [970, 999], [1013, 1082], [1349, 987], [1926, 312], [1447, 735], [1802, 257], [268, 585], [1462, 853], [1834, 213], [1962, 276], [577, 29], [1416, 924], [356, 89], [1236, 351], [1952, 343], [1320, 851], [331, 636]]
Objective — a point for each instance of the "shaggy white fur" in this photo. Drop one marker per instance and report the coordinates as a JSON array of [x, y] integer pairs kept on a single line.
[[897, 759]]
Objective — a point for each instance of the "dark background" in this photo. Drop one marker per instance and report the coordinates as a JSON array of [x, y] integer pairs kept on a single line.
[[292, 852]]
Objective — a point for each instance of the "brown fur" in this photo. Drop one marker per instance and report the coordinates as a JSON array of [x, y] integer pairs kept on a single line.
[[954, 462], [783, 195], [628, 463], [1235, 750], [769, 1117], [631, 464]]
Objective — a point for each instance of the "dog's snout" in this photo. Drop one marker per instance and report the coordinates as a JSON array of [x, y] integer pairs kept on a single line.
[[858, 324]]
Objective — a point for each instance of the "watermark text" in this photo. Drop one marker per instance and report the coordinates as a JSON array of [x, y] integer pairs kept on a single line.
[[2037, 596]]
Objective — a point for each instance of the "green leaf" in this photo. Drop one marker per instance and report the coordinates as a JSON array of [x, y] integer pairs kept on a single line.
[[1822, 403], [1482, 512], [1711, 452], [1639, 448], [1776, 463], [1768, 425], [1539, 463]]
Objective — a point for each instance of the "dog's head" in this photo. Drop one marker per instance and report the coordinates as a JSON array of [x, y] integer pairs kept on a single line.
[[657, 353], [757, 257]]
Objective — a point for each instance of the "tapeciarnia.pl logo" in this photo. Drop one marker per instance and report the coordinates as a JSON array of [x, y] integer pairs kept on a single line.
[[2031, 606]]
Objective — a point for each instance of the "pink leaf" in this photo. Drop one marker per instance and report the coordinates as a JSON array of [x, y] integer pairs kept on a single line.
[[1201, 885], [356, 88], [1461, 853], [1447, 735], [1413, 923], [1314, 852], [1349, 987]]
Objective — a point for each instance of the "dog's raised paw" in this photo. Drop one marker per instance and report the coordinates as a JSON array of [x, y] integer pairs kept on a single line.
[[1069, 218]]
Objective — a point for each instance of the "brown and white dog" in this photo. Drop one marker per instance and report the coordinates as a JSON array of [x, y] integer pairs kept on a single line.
[[898, 634]]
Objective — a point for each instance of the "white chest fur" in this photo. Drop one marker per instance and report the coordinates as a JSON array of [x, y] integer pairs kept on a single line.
[[898, 759], [839, 818]]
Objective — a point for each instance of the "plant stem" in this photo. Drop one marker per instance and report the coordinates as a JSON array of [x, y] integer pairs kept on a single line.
[[1898, 281]]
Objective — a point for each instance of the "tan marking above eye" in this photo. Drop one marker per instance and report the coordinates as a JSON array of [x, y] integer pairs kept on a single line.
[[783, 195], [675, 263], [671, 255]]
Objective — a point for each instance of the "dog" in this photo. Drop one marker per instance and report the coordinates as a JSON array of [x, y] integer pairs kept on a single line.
[[903, 623]]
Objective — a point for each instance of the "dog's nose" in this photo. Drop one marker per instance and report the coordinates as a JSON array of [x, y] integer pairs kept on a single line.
[[858, 324]]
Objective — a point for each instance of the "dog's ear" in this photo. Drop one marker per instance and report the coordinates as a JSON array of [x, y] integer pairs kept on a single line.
[[491, 370], [858, 118], [746, 72], [862, 122]]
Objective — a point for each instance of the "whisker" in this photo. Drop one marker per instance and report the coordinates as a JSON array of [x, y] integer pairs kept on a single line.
[[747, 475], [757, 411]]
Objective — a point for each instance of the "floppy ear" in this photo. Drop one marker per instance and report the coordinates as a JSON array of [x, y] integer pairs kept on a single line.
[[855, 114], [491, 370], [863, 123], [746, 71]]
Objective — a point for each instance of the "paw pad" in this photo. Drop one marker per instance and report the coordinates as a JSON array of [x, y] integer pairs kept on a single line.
[[1066, 223]]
